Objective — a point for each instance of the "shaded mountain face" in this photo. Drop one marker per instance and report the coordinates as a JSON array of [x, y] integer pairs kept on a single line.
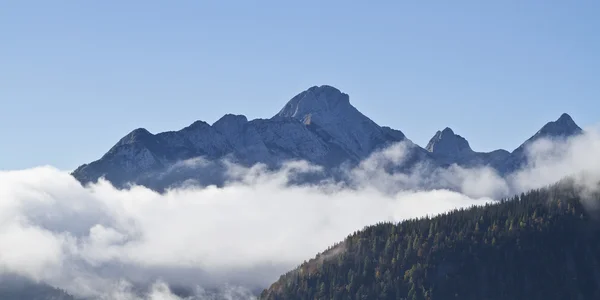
[[561, 129], [450, 148], [331, 111], [446, 142], [319, 125]]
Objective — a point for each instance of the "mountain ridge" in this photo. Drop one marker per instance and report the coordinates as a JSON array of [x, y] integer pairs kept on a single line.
[[319, 125]]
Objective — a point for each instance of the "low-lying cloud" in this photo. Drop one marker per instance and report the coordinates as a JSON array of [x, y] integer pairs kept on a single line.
[[230, 241], [87, 240]]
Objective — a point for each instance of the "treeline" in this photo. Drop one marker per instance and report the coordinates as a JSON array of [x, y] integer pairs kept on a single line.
[[544, 244]]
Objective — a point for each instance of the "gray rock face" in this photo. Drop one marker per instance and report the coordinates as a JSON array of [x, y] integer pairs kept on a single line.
[[331, 110], [449, 148], [445, 142], [318, 125], [561, 129]]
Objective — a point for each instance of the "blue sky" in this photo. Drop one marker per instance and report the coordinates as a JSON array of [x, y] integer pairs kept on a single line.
[[75, 76]]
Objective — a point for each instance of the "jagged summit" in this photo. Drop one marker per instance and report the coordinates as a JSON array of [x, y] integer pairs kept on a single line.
[[566, 117], [330, 110], [446, 142], [449, 148], [135, 136], [563, 126], [448, 130], [321, 100]]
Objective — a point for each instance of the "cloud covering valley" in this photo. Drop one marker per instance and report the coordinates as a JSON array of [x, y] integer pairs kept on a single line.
[[105, 243]]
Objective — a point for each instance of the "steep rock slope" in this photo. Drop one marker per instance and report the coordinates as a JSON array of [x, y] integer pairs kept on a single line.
[[318, 125], [450, 148], [559, 130], [348, 128]]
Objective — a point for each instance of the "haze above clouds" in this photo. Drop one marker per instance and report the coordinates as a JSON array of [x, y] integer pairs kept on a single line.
[[101, 242]]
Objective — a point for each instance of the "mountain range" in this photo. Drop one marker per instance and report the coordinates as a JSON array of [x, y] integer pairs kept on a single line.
[[318, 125]]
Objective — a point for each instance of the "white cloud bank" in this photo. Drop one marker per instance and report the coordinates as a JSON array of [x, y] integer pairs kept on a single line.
[[106, 243], [86, 239]]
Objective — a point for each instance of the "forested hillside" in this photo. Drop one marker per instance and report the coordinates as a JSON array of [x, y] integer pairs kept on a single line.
[[13, 287], [539, 245]]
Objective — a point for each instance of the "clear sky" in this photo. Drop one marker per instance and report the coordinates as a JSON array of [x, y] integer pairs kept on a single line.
[[75, 76]]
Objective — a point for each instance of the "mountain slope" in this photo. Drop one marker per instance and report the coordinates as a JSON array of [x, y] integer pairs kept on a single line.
[[449, 148], [318, 125], [539, 245], [331, 110], [561, 129]]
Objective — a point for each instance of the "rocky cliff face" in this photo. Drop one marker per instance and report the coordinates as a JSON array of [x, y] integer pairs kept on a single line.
[[562, 128], [449, 147], [319, 125], [331, 110]]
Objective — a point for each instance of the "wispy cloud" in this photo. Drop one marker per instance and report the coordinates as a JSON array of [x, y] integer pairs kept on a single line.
[[247, 233]]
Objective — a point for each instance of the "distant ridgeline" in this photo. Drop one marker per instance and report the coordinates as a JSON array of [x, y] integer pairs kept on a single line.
[[544, 244], [318, 125]]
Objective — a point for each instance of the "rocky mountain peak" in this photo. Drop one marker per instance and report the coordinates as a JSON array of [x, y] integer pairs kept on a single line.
[[230, 123], [197, 125], [563, 126], [231, 118], [317, 125], [139, 135], [317, 100], [446, 142], [330, 110], [447, 132]]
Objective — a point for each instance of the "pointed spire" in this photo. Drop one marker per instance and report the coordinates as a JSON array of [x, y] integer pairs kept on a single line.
[[323, 99], [447, 131], [564, 126], [136, 136], [447, 143], [330, 110]]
